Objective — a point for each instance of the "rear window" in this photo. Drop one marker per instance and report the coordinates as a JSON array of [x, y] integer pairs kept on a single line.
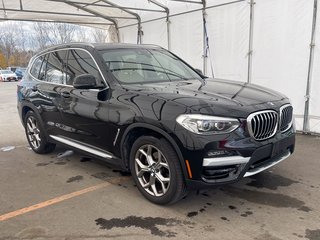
[[36, 66], [56, 65]]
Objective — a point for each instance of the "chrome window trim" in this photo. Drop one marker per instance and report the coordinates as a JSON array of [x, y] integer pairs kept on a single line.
[[61, 49], [82, 147], [116, 137], [249, 125], [280, 118]]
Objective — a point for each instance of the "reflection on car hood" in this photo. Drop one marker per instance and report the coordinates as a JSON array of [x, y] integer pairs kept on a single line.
[[231, 92], [215, 97]]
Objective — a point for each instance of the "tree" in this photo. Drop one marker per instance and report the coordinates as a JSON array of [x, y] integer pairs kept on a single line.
[[61, 32], [82, 34], [99, 35], [18, 40], [8, 40], [3, 60], [40, 38], [46, 34]]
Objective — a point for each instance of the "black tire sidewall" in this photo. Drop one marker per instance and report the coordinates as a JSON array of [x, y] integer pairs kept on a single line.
[[176, 178]]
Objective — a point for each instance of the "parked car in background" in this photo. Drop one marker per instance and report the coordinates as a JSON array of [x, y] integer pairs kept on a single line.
[[20, 72], [12, 69], [144, 109], [7, 75]]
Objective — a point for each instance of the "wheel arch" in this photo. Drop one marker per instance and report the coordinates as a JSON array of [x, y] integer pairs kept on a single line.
[[25, 108], [137, 130]]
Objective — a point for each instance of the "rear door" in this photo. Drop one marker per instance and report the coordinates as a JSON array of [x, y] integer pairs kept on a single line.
[[44, 92]]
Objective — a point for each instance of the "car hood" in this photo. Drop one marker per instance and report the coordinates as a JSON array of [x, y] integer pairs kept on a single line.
[[8, 75], [215, 95]]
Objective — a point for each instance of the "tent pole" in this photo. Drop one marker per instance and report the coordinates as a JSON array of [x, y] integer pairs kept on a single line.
[[205, 55], [306, 126], [139, 33], [55, 21], [167, 19], [137, 16], [182, 13], [168, 31], [97, 14], [250, 41], [118, 34]]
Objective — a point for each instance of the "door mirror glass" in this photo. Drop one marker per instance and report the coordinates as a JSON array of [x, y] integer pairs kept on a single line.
[[85, 81]]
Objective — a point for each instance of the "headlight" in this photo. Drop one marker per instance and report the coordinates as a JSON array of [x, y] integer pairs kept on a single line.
[[205, 125]]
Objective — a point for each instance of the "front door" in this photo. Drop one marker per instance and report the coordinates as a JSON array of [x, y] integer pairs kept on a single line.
[[85, 115]]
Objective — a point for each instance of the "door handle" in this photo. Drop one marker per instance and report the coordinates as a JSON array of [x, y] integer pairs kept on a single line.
[[65, 94]]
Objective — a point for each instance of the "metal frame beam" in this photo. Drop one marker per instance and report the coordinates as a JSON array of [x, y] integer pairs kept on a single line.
[[167, 20], [139, 35], [21, 6], [97, 14], [205, 55], [182, 13], [95, 4], [55, 21], [100, 15], [306, 118], [250, 50], [187, 1], [59, 13]]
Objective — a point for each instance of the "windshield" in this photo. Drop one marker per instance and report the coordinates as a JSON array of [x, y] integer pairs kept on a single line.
[[146, 65], [6, 72]]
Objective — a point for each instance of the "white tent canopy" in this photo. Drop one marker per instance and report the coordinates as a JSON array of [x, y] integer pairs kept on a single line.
[[268, 42]]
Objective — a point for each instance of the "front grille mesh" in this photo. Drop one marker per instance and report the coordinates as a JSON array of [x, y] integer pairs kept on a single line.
[[262, 125], [285, 117]]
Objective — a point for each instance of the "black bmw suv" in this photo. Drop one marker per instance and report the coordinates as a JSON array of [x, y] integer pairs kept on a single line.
[[147, 111]]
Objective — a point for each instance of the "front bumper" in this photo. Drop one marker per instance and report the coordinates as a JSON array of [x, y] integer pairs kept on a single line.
[[8, 79], [225, 170], [272, 161]]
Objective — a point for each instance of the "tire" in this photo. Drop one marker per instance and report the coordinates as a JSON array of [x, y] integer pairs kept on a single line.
[[35, 134], [149, 172]]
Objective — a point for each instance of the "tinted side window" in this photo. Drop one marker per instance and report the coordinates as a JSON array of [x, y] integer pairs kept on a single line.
[[36, 66], [80, 62], [56, 65]]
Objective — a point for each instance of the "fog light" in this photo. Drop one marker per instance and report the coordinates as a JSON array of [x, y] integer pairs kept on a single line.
[[219, 153]]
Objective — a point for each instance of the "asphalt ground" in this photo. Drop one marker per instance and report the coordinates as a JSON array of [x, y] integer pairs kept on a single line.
[[78, 197]]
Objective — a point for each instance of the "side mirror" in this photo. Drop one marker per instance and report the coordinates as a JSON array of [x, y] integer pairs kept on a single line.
[[85, 81], [199, 71]]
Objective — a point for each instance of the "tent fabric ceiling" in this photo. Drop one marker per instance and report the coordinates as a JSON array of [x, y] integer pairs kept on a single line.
[[86, 12]]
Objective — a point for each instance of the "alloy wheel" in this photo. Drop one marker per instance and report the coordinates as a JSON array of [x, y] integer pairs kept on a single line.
[[152, 170], [33, 132]]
